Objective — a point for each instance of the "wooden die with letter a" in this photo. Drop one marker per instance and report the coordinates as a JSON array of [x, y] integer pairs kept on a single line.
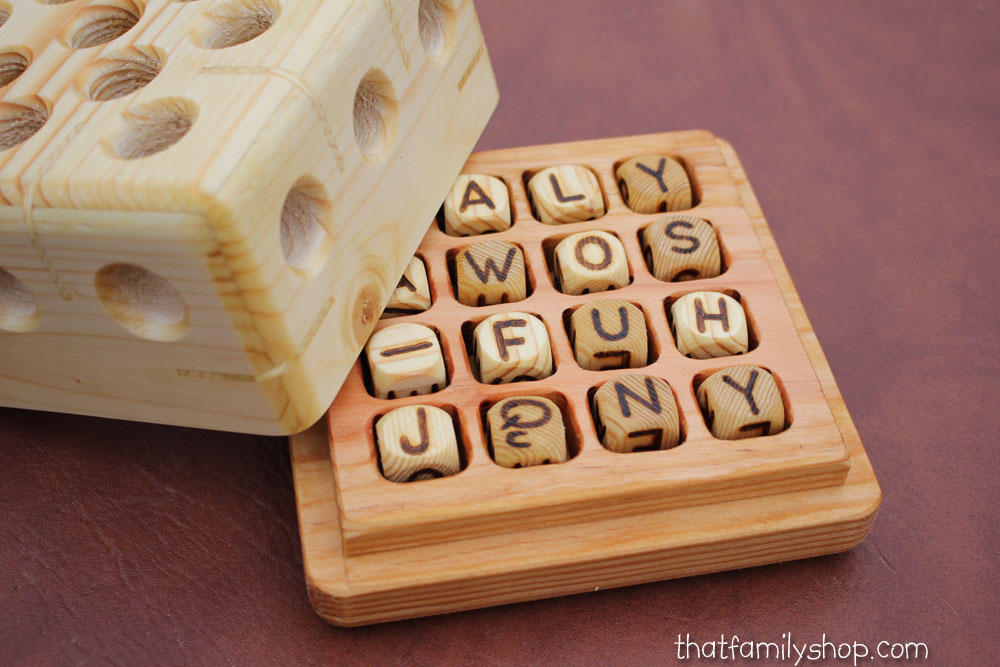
[[172, 179]]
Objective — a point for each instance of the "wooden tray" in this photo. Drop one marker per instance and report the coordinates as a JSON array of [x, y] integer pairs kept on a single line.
[[375, 550]]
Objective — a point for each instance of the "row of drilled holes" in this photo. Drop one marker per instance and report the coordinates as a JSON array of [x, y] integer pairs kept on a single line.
[[233, 23], [138, 299]]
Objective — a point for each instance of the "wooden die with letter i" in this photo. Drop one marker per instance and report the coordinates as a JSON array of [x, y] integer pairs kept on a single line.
[[603, 349]]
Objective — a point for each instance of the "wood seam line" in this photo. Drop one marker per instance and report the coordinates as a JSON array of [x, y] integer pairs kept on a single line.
[[28, 218], [397, 32], [300, 83], [472, 66], [213, 375]]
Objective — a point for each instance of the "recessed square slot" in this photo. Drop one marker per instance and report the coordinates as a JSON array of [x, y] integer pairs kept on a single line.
[[477, 204], [709, 325], [565, 194], [679, 248], [529, 430], [656, 184], [420, 442], [587, 262], [740, 402], [610, 334], [509, 347], [489, 272], [406, 359], [637, 413]]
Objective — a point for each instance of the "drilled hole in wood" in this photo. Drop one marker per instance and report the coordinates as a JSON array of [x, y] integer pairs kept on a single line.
[[99, 24], [437, 28], [305, 222], [20, 119], [5, 11], [142, 302], [235, 22], [376, 115], [122, 73], [13, 63], [155, 126], [18, 311]]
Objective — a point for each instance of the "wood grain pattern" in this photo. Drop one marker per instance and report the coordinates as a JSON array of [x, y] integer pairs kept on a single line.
[[589, 262], [709, 325], [571, 527], [417, 443], [681, 247], [565, 193], [742, 402], [609, 334], [405, 360], [526, 431], [476, 204], [412, 294], [220, 146], [637, 412], [490, 272], [511, 347], [654, 184]]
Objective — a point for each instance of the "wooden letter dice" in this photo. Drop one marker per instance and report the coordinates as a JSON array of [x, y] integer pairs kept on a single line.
[[654, 184], [412, 294], [609, 333], [526, 431], [709, 324], [680, 248], [405, 360], [637, 413], [566, 194], [590, 262], [490, 272], [511, 347], [477, 204], [417, 442], [742, 402]]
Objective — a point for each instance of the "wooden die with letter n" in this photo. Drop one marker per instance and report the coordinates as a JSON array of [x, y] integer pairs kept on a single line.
[[205, 206]]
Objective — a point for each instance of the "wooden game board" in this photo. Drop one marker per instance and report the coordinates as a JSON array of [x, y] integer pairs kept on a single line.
[[375, 550]]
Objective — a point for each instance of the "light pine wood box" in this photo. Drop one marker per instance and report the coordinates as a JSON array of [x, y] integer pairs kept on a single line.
[[347, 105], [377, 551]]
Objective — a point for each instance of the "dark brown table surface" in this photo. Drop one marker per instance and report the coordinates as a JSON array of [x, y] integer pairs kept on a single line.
[[871, 133]]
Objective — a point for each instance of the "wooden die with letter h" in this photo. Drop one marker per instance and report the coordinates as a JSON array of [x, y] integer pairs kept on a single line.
[[205, 206]]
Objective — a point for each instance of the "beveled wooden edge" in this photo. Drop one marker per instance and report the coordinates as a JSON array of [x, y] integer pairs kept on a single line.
[[783, 527]]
